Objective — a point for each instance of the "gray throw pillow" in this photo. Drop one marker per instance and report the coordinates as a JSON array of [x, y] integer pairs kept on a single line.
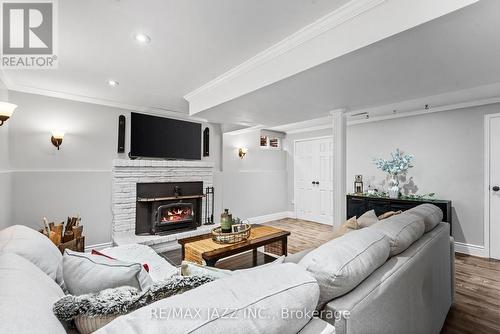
[[86, 273]]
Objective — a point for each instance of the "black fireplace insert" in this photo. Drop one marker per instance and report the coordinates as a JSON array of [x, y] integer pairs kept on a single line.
[[168, 207]]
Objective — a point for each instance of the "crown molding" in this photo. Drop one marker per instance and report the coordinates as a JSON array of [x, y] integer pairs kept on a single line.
[[346, 12], [336, 34], [160, 111], [460, 99], [422, 111]]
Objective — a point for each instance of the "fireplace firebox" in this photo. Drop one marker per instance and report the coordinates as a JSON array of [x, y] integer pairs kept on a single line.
[[169, 207], [174, 213]]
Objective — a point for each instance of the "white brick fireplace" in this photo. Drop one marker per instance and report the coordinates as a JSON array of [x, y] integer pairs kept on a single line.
[[126, 175]]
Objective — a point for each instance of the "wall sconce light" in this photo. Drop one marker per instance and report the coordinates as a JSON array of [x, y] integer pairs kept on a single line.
[[57, 138], [6, 110], [242, 152]]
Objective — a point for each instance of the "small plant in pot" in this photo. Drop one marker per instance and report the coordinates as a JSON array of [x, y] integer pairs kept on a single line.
[[397, 166]]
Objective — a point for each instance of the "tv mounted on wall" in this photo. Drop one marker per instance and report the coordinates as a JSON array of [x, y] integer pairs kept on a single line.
[[159, 137]]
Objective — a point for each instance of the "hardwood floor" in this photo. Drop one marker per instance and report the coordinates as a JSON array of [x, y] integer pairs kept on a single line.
[[477, 295]]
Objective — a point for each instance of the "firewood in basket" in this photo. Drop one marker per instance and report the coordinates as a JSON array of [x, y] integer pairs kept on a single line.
[[77, 231], [56, 233], [46, 226], [68, 236]]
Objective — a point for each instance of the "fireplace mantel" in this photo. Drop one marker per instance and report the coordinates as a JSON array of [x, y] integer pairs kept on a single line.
[[127, 173], [161, 163]]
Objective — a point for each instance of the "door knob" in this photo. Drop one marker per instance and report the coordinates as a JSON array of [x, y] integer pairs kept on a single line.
[[313, 182], [317, 182], [496, 188]]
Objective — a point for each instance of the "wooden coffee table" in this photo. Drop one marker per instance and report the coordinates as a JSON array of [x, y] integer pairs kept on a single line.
[[203, 248]]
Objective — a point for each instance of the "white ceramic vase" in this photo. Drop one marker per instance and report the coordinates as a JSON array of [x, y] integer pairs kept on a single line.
[[393, 190]]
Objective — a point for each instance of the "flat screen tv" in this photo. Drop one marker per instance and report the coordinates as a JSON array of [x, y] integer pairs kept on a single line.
[[159, 137]]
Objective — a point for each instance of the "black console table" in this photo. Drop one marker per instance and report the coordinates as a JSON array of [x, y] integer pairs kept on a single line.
[[359, 204]]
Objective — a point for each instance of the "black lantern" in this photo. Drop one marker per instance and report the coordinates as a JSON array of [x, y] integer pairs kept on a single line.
[[358, 184]]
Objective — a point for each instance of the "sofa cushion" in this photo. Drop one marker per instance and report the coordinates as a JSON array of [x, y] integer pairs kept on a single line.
[[431, 214], [26, 297], [87, 273], [226, 305], [367, 219], [402, 230], [341, 264], [35, 247]]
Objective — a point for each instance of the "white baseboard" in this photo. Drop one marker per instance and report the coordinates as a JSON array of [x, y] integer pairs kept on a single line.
[[469, 249], [291, 214], [269, 217], [89, 248]]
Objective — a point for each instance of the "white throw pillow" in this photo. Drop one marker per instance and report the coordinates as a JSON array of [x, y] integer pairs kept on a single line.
[[402, 230], [87, 273], [341, 264], [35, 247], [159, 268], [190, 269], [26, 298]]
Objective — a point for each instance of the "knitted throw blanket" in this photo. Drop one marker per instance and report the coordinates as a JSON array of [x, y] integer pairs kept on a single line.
[[125, 299]]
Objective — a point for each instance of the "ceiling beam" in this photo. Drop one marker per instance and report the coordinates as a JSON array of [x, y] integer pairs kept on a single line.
[[357, 24]]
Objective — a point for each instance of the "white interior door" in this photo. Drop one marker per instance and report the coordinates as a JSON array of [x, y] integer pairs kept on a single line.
[[313, 180], [494, 186]]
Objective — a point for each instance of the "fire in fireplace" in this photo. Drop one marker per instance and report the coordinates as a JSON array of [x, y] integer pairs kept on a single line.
[[175, 213]]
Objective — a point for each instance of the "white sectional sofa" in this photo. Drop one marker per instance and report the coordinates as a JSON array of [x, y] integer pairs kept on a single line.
[[413, 290], [395, 278]]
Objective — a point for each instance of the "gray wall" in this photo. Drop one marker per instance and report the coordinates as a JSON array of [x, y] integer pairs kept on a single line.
[[5, 176], [76, 179], [253, 186], [449, 160]]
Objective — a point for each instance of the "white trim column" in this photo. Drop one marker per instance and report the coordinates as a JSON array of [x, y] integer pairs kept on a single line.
[[339, 166]]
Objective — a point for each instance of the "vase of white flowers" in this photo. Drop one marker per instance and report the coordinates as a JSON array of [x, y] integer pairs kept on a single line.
[[397, 166], [393, 190]]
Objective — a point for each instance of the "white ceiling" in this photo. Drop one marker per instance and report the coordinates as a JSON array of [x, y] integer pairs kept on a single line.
[[455, 52], [193, 41]]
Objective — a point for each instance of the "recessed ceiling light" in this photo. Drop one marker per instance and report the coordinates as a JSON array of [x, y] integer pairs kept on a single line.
[[143, 38], [113, 83]]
